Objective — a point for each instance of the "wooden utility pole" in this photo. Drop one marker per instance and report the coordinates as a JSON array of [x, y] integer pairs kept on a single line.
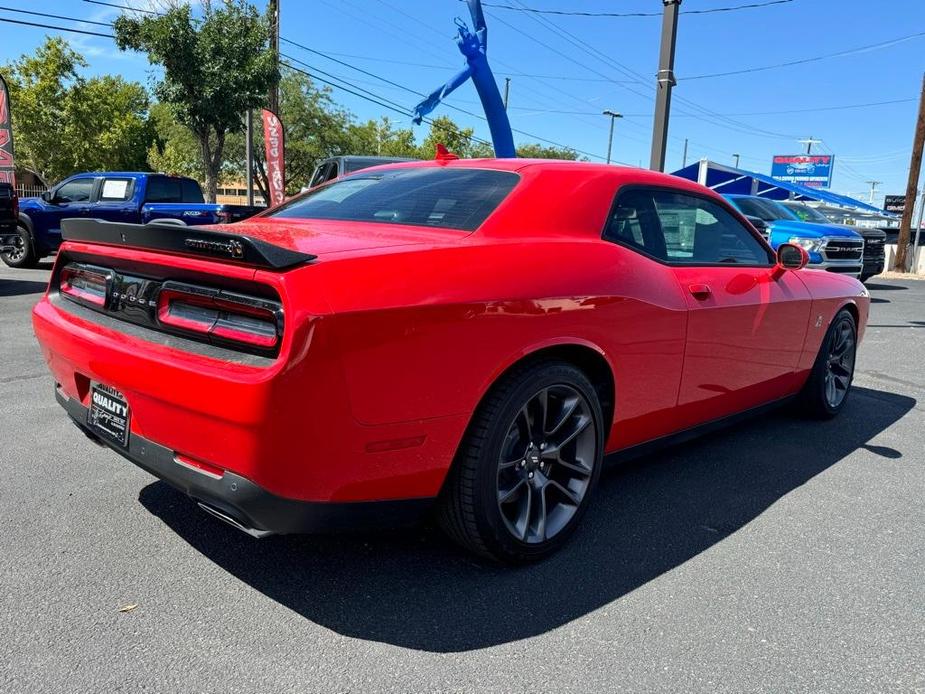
[[273, 14], [899, 264], [665, 82]]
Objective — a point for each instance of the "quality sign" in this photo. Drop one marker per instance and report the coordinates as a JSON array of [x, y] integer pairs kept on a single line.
[[812, 170]]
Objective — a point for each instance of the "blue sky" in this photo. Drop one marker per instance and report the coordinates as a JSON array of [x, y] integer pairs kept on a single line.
[[566, 69]]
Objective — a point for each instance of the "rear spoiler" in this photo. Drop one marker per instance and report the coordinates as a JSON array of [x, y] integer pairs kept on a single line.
[[189, 240]]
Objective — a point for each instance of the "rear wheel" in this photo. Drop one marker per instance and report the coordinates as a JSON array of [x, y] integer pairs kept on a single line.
[[524, 474], [23, 254], [829, 384]]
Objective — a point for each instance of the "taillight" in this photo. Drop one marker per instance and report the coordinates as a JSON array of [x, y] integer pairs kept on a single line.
[[15, 205], [226, 316], [84, 284]]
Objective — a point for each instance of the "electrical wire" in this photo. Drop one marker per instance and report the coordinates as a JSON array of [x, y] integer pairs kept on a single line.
[[804, 61], [577, 13]]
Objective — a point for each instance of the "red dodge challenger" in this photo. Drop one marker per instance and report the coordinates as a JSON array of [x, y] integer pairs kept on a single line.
[[471, 336]]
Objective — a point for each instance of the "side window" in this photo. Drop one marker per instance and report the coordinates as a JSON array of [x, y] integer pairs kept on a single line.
[[633, 222], [163, 189], [192, 193], [116, 190], [75, 191], [700, 232], [319, 176]]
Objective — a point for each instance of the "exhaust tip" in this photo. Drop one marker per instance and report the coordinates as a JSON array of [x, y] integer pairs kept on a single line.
[[221, 515]]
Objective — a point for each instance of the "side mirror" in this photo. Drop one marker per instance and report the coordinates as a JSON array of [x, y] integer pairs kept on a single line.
[[47, 196], [791, 257]]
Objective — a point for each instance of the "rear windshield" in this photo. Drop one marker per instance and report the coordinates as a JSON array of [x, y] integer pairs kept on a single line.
[[432, 197], [165, 189]]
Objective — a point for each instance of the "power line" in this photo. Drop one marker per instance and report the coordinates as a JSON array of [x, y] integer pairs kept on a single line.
[[803, 61], [56, 28], [54, 16], [576, 13]]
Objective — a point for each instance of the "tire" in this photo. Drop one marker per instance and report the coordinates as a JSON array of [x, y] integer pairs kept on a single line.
[[513, 502], [829, 384], [24, 256]]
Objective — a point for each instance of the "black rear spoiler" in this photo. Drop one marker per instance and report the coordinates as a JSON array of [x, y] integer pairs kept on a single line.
[[178, 238]]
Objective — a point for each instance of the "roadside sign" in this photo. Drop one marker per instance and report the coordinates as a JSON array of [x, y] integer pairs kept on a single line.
[[894, 203], [812, 170]]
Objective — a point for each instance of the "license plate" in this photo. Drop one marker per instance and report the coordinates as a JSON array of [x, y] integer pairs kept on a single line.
[[109, 414]]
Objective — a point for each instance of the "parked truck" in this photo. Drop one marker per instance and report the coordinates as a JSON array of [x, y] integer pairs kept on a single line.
[[134, 197], [9, 213]]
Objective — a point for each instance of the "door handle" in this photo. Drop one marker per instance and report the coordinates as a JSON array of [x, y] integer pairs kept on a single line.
[[700, 291]]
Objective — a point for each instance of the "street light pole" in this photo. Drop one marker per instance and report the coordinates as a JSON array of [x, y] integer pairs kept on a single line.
[[613, 116], [737, 160], [665, 81]]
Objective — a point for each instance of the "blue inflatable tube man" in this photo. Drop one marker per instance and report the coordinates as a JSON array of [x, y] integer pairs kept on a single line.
[[474, 48]]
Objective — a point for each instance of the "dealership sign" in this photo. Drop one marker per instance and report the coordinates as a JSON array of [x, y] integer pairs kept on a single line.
[[894, 203], [813, 170]]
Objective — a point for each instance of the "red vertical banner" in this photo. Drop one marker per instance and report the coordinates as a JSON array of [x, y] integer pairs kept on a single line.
[[275, 142], [7, 172]]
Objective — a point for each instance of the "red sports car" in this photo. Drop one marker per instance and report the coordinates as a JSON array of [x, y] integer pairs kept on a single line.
[[473, 336]]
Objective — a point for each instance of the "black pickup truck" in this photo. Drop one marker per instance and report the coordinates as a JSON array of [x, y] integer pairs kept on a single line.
[[9, 214]]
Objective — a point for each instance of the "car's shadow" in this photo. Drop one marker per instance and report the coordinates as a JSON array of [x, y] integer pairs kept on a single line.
[[415, 590], [21, 287]]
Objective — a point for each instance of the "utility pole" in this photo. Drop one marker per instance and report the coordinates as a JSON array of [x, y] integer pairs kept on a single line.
[[613, 116], [899, 264], [873, 188], [737, 160], [507, 91], [809, 142], [665, 81], [273, 14], [684, 158], [249, 155]]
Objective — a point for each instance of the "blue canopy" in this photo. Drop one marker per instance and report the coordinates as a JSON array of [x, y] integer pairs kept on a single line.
[[729, 180]]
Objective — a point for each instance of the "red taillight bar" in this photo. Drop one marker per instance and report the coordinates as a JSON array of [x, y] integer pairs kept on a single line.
[[219, 314], [85, 284]]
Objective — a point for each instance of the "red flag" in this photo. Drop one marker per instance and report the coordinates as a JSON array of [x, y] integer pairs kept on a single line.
[[7, 172], [275, 142]]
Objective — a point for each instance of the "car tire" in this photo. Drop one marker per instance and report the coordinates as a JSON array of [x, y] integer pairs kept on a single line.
[[24, 256], [864, 278], [829, 384], [513, 505]]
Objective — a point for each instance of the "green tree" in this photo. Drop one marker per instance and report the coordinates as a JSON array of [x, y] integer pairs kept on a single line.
[[65, 123], [538, 151], [215, 68], [175, 149]]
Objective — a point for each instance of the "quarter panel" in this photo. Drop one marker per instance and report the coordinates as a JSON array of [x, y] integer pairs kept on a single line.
[[425, 334]]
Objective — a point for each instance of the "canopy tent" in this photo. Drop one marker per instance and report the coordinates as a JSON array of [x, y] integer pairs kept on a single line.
[[730, 180]]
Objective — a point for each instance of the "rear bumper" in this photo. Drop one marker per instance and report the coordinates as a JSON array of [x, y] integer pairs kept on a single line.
[[244, 504], [8, 237]]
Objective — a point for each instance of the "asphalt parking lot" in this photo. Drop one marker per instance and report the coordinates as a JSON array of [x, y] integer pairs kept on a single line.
[[780, 555]]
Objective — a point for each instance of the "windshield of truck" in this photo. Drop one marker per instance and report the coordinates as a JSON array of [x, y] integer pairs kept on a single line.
[[766, 210], [806, 213], [422, 196]]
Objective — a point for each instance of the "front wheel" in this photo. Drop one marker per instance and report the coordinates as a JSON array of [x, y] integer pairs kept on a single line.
[[826, 391], [23, 253], [525, 471]]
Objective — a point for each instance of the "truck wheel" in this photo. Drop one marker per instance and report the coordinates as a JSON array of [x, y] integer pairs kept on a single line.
[[829, 384], [525, 471], [23, 255]]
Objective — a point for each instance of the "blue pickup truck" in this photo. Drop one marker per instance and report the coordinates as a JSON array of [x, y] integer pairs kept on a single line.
[[121, 196], [831, 247]]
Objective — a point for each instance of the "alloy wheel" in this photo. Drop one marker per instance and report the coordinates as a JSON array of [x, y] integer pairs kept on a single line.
[[840, 364], [546, 463]]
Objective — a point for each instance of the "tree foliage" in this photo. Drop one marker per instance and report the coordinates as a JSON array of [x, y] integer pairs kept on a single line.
[[214, 69], [65, 123]]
